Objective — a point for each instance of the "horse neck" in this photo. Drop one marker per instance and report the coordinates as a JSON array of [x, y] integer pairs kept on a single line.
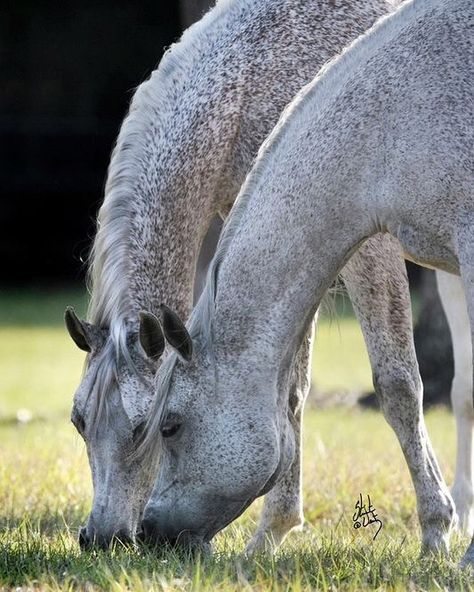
[[148, 239], [296, 223], [314, 194], [274, 276], [165, 240], [194, 192]]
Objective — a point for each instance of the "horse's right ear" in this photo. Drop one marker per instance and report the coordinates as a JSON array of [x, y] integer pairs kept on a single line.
[[78, 330], [176, 333]]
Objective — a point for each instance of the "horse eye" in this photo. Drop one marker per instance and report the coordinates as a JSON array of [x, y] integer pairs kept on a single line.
[[169, 430], [78, 422], [138, 432]]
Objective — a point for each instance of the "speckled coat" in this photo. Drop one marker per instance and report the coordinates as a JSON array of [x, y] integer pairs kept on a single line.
[[184, 149], [380, 141]]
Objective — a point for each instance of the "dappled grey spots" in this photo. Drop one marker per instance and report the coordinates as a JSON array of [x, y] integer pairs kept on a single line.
[[380, 141]]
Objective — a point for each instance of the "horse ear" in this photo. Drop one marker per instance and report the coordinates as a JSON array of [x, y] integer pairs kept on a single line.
[[150, 335], [176, 333], [78, 330]]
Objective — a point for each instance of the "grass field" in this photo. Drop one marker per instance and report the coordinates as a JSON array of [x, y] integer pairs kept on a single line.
[[45, 489]]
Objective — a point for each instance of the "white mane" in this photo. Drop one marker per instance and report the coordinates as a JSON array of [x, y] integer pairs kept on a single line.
[[108, 261]]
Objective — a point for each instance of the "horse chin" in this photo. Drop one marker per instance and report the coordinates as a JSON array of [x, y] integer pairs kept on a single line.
[[89, 541]]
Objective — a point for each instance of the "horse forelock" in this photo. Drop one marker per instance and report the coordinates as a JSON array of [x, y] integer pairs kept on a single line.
[[105, 376], [199, 326]]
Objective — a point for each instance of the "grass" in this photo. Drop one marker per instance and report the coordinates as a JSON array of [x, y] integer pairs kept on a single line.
[[340, 360], [45, 488]]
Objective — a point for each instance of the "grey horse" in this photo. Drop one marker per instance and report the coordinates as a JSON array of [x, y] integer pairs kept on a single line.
[[380, 141]]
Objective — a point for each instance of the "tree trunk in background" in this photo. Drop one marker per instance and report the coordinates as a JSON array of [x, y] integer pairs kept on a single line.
[[433, 343], [192, 10]]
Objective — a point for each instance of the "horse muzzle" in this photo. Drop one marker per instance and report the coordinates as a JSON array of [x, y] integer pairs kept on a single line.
[[90, 538]]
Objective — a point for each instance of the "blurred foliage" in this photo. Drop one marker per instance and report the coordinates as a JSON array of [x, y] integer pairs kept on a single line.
[[37, 307]]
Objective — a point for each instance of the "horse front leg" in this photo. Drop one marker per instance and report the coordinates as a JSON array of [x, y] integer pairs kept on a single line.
[[451, 291], [283, 506], [376, 280]]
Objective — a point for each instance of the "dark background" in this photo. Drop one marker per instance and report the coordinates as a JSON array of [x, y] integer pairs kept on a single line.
[[68, 73]]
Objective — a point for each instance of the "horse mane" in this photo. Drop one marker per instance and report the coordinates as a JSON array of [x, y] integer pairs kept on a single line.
[[110, 304], [330, 79]]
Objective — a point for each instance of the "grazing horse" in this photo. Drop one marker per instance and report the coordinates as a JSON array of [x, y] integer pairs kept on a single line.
[[380, 141], [182, 154]]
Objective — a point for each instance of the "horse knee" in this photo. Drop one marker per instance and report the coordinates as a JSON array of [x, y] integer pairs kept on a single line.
[[398, 388]]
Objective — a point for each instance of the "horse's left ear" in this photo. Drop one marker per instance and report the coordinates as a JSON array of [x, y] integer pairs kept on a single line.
[[80, 331], [176, 333], [150, 335]]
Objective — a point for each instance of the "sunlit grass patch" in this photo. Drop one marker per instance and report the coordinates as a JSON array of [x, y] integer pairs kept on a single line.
[[45, 486], [314, 564], [340, 360], [45, 495]]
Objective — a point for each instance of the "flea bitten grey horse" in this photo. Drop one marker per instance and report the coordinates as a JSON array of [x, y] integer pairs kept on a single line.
[[182, 154], [380, 141]]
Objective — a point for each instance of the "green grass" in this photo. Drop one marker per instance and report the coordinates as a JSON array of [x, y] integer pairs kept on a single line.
[[340, 360], [45, 488]]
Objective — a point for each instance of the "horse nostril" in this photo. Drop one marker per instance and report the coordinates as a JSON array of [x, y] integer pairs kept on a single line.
[[103, 541]]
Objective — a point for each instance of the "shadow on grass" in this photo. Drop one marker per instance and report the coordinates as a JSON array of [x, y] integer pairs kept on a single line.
[[49, 524]]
